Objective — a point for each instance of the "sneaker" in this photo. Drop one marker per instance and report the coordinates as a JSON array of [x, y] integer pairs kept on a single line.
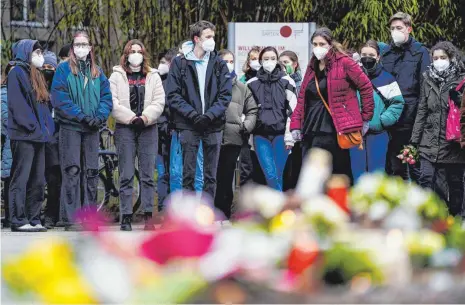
[[149, 226], [39, 228], [126, 223], [74, 228], [23, 228], [49, 223]]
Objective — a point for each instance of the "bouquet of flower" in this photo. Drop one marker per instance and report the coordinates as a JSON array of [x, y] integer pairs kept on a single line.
[[409, 154]]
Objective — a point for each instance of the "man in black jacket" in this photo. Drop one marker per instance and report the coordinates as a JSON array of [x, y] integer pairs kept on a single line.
[[406, 59], [199, 91]]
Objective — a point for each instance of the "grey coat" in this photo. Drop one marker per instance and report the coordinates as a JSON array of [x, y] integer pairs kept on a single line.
[[429, 131], [242, 103]]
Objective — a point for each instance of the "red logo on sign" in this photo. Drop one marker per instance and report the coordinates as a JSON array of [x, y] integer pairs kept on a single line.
[[285, 31]]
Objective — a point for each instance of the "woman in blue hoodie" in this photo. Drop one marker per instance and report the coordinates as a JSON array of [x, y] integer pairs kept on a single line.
[[389, 104], [30, 126], [82, 102]]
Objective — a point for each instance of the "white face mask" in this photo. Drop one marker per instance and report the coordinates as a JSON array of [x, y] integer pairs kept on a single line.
[[163, 69], [320, 52], [81, 52], [135, 59], [441, 64], [269, 65], [255, 65], [230, 67], [398, 37], [37, 60], [208, 45]]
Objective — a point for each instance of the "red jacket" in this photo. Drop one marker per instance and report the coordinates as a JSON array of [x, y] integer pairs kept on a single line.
[[344, 78]]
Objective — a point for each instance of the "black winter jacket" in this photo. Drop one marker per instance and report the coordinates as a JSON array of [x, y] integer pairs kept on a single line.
[[275, 96], [218, 88], [407, 63], [429, 131]]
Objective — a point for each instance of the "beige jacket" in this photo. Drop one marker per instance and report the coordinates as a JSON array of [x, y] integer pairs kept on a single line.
[[154, 101]]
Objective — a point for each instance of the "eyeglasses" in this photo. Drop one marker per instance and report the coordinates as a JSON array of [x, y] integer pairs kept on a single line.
[[81, 45]]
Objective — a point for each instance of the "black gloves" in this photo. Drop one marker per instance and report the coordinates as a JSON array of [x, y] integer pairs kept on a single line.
[[201, 123], [138, 123], [92, 123]]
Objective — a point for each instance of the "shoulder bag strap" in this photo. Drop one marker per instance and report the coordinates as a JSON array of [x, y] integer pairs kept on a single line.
[[321, 96]]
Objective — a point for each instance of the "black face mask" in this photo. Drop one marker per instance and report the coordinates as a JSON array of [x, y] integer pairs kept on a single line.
[[48, 75], [369, 63]]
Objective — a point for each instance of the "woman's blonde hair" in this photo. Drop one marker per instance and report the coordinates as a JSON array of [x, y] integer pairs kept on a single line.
[[246, 66]]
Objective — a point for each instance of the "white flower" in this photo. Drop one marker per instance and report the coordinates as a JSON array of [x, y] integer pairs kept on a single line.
[[415, 197], [404, 218], [378, 210], [264, 200], [327, 208], [369, 184]]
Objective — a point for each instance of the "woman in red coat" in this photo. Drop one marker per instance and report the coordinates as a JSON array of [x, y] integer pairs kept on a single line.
[[338, 79]]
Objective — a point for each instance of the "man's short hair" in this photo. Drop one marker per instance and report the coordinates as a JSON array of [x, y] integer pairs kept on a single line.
[[197, 28], [168, 54], [404, 17]]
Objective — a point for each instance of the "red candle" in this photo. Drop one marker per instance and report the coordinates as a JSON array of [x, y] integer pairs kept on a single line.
[[338, 191]]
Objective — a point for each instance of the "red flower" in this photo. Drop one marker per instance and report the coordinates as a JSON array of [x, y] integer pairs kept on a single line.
[[180, 242], [91, 218]]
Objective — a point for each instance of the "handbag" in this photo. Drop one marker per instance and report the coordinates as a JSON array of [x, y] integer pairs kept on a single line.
[[345, 140], [453, 119]]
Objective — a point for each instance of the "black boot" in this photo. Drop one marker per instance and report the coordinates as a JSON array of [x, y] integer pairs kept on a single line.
[[149, 226], [126, 222]]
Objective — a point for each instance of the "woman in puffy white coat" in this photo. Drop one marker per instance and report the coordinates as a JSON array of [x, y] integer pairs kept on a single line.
[[138, 101]]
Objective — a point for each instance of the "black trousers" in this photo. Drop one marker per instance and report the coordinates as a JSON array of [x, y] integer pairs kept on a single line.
[[341, 157], [211, 144], [26, 193], [249, 167], [53, 178], [447, 180], [224, 178], [292, 169], [394, 166]]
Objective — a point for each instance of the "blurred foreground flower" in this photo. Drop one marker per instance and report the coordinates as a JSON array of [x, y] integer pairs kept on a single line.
[[48, 270]]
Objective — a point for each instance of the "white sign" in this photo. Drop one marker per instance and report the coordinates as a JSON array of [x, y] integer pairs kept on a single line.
[[282, 36]]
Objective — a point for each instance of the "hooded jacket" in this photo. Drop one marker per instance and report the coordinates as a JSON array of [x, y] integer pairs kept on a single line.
[[242, 104], [429, 131], [407, 63], [154, 99], [275, 96], [388, 105], [7, 158], [67, 112], [28, 119], [216, 97], [344, 78]]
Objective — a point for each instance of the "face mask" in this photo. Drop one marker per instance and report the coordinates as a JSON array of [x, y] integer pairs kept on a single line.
[[81, 52], [289, 69], [269, 65], [135, 59], [208, 45], [163, 69], [255, 65], [320, 52], [48, 74], [369, 63], [37, 60], [398, 37], [230, 67], [441, 64]]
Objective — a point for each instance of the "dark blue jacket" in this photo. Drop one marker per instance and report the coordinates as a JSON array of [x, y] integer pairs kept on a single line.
[[7, 159], [217, 93], [28, 119], [407, 64], [67, 112]]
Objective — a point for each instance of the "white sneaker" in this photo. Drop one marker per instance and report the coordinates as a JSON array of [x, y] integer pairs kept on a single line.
[[39, 228], [23, 228]]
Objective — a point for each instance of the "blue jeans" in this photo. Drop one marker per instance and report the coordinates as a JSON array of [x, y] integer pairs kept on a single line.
[[176, 166], [272, 156], [372, 158]]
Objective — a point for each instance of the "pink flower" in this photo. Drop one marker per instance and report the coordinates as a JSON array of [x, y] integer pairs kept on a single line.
[[91, 218], [406, 151], [401, 157], [180, 241], [412, 161]]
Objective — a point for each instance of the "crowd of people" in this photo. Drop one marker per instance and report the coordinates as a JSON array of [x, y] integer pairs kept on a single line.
[[193, 118]]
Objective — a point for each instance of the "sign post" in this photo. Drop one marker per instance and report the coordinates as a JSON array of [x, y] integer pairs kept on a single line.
[[283, 36]]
